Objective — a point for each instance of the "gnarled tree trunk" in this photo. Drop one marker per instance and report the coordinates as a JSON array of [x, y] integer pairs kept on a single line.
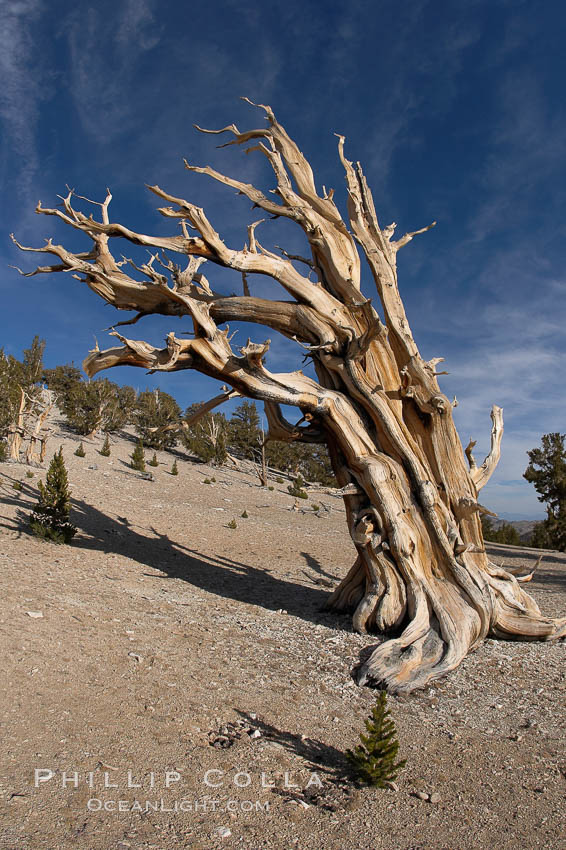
[[29, 423], [421, 578]]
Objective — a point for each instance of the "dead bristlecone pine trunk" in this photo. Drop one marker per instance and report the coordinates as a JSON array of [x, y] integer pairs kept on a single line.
[[421, 578]]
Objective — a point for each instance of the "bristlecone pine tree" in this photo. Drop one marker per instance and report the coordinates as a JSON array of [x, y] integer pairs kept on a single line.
[[105, 450], [421, 576], [374, 759], [50, 518]]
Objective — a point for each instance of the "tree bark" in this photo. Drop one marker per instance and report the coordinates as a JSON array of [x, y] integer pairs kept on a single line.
[[32, 457], [16, 430], [421, 578]]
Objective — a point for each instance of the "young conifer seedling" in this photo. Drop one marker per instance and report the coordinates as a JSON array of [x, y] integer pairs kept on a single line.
[[153, 461], [80, 452], [138, 458], [374, 759], [174, 469], [50, 519], [105, 450]]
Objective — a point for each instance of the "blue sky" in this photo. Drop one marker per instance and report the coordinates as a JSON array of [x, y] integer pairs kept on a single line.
[[455, 109]]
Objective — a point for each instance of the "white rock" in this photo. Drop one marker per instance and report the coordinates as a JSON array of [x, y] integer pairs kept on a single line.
[[223, 832]]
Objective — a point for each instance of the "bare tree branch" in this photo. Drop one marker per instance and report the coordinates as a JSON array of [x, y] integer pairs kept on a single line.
[[481, 474]]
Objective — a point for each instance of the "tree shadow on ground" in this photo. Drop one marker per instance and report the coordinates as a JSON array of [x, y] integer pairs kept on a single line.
[[322, 576], [331, 782], [218, 574], [321, 757], [501, 551], [550, 578]]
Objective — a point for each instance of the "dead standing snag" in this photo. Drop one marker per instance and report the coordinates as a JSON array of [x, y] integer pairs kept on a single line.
[[421, 577]]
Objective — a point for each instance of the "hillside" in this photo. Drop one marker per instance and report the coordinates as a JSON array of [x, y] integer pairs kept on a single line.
[[165, 643]]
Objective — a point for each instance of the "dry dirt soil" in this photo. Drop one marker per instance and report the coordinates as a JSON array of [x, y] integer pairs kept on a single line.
[[166, 650]]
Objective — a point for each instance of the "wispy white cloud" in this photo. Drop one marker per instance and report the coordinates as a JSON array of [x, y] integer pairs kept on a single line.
[[137, 27], [22, 88], [105, 51], [525, 149], [427, 84], [516, 360]]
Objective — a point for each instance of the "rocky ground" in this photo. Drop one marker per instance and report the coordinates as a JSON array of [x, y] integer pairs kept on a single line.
[[166, 650]]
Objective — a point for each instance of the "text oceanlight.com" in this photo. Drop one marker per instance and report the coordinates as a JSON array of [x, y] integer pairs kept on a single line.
[[203, 804]]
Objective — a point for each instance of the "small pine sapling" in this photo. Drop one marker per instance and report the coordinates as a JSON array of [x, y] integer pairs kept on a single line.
[[244, 515], [232, 524], [29, 474], [174, 469], [153, 461], [80, 452], [296, 488], [105, 450], [374, 759], [50, 519], [17, 485], [138, 458]]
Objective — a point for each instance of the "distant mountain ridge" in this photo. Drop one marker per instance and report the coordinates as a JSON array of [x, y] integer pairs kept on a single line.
[[524, 526]]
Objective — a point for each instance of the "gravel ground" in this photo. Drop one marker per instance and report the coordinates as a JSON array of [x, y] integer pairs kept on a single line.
[[164, 643]]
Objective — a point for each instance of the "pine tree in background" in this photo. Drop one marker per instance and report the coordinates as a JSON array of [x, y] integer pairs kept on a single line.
[[153, 461], [50, 519], [155, 412], [138, 458], [174, 469], [80, 452], [62, 378], [95, 406], [244, 433], [374, 759], [105, 450], [547, 471], [206, 438]]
